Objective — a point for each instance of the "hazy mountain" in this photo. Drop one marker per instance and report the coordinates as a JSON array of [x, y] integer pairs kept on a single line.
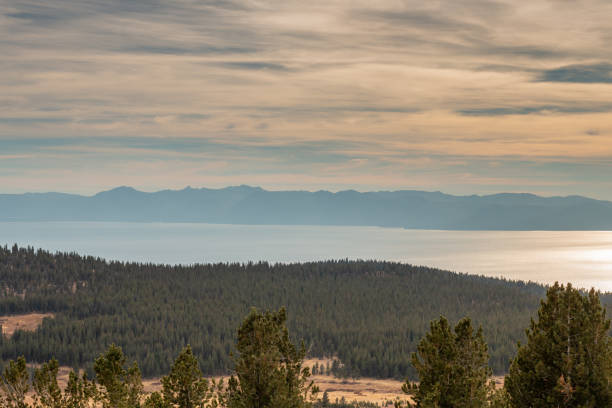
[[253, 205]]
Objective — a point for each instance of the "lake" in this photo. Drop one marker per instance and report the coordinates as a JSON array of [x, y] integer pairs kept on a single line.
[[581, 257]]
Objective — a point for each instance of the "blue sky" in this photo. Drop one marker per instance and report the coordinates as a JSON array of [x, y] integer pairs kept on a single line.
[[469, 97]]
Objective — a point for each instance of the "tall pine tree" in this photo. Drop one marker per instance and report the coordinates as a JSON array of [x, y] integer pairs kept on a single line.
[[184, 386], [567, 360], [14, 384], [122, 386], [269, 370], [452, 367], [48, 392]]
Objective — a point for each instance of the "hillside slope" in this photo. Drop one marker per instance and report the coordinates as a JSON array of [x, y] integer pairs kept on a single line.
[[369, 314]]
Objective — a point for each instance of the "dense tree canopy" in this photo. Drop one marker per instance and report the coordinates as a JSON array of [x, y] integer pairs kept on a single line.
[[269, 372], [369, 314], [570, 342]]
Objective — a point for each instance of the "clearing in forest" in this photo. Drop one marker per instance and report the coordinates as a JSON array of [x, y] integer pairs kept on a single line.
[[27, 322]]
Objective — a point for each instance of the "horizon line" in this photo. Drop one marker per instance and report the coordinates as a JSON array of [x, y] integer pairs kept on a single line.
[[189, 187]]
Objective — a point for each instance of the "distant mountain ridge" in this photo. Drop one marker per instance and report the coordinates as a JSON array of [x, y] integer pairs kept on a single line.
[[254, 205]]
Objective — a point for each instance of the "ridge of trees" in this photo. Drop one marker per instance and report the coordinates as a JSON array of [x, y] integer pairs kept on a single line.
[[268, 373], [369, 314], [569, 342]]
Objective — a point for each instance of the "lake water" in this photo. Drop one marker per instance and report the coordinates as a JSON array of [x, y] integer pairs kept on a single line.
[[581, 257]]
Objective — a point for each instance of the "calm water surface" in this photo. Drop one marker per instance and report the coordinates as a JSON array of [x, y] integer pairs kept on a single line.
[[581, 257]]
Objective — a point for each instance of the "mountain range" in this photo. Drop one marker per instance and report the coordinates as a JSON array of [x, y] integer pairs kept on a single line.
[[254, 205]]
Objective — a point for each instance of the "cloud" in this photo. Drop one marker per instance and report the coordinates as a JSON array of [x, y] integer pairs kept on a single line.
[[254, 65], [586, 74], [34, 17], [427, 19], [349, 91], [532, 110], [177, 50], [25, 121]]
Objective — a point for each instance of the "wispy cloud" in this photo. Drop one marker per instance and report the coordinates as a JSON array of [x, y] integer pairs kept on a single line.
[[586, 74], [322, 94], [253, 65], [544, 109]]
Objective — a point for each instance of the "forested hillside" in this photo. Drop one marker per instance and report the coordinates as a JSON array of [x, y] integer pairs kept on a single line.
[[369, 314]]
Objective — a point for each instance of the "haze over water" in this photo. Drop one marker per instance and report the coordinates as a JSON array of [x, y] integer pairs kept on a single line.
[[581, 257]]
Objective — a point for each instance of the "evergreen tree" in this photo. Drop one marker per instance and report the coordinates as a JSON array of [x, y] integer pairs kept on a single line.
[[325, 400], [48, 393], [269, 371], [80, 392], [185, 387], [452, 367], [15, 384], [155, 400], [122, 386], [567, 361], [499, 399]]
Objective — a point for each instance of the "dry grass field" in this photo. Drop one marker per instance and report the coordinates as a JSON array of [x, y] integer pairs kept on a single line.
[[361, 389], [28, 322]]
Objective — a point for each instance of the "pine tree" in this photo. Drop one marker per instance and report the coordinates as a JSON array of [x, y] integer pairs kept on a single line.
[[452, 367], [155, 400], [325, 400], [80, 392], [184, 386], [567, 361], [14, 384], [48, 393], [269, 371], [122, 386], [499, 399]]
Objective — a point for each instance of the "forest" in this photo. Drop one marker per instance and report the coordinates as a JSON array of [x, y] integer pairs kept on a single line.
[[566, 362], [369, 314]]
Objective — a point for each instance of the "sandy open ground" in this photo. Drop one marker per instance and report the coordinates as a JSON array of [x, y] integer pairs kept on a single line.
[[28, 322], [361, 389]]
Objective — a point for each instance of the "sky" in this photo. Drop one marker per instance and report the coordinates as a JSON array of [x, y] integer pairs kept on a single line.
[[464, 97]]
